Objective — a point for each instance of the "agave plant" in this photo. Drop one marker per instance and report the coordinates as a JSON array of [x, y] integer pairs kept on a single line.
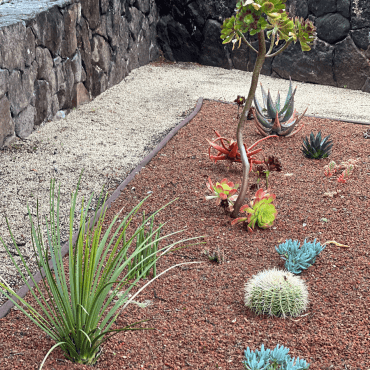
[[315, 147], [270, 118]]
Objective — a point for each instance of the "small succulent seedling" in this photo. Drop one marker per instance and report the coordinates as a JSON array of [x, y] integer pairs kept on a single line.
[[276, 293], [217, 256], [299, 258], [277, 358], [315, 147], [271, 163]]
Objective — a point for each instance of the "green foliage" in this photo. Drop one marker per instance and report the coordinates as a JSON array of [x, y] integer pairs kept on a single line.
[[260, 211], [78, 312], [250, 18], [147, 247], [315, 148], [276, 293]]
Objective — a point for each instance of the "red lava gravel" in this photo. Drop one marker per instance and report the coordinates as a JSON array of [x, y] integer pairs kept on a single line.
[[197, 310]]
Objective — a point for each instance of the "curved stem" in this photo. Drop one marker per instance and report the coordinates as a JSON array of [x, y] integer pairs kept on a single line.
[[271, 44], [239, 133], [248, 43], [287, 43]]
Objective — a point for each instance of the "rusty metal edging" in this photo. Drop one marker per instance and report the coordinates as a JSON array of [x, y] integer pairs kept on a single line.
[[6, 307]]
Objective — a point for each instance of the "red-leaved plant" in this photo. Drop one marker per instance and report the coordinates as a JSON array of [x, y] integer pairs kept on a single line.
[[224, 192]]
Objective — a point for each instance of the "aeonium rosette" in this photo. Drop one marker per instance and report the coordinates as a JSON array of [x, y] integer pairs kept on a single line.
[[260, 211], [224, 192]]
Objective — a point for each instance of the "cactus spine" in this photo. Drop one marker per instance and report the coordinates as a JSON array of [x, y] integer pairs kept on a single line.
[[276, 293]]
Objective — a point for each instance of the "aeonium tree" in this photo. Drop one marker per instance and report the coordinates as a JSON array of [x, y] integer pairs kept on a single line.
[[254, 17]]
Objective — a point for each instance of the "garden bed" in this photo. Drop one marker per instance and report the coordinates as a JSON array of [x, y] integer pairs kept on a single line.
[[197, 310]]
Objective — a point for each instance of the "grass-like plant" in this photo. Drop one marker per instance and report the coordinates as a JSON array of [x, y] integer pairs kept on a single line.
[[77, 308]]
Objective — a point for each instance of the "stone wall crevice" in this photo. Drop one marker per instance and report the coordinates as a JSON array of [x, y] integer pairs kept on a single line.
[[64, 56]]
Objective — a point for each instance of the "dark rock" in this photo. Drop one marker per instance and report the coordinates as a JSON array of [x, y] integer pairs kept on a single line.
[[99, 81], [24, 122], [136, 22], [80, 95], [118, 67], [213, 52], [45, 69], [240, 57], [181, 43], [360, 14], [69, 44], [361, 37], [366, 87], [332, 28], [344, 7], [311, 66], [4, 76], [132, 56], [65, 75], [83, 43], [144, 44], [43, 101], [90, 10], [77, 67], [163, 39], [102, 28], [48, 27], [30, 43], [114, 20], [20, 88], [351, 67], [297, 8], [319, 7], [12, 47], [143, 5], [104, 6], [101, 53], [194, 13], [6, 122]]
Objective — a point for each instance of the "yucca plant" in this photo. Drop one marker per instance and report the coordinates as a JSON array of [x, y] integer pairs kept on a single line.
[[270, 118], [315, 147], [78, 312]]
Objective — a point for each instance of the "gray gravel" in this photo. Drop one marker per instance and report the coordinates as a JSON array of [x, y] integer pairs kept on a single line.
[[109, 136]]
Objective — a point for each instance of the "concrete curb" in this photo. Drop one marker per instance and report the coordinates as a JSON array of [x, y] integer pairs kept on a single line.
[[6, 307]]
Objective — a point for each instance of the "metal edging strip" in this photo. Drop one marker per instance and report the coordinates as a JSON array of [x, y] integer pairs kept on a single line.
[[6, 307]]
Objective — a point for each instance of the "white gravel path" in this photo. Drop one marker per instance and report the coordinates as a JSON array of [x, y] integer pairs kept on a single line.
[[109, 136]]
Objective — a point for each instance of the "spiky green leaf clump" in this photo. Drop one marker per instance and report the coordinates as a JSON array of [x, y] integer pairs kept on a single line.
[[276, 293], [315, 147], [270, 117], [298, 259], [267, 358]]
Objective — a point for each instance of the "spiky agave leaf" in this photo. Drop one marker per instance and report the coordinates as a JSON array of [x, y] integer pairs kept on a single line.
[[270, 118], [316, 148]]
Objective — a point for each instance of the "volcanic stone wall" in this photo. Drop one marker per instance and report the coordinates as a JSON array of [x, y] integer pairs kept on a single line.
[[56, 55], [190, 31]]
